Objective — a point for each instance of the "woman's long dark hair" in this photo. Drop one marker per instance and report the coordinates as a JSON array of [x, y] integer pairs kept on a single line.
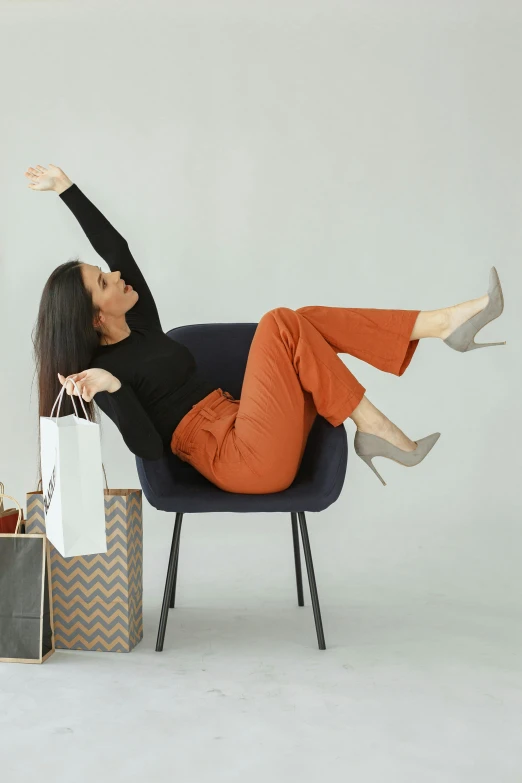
[[64, 341]]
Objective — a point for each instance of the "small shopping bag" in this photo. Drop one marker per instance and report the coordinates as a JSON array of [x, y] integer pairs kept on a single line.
[[9, 516], [72, 481], [26, 618], [97, 599]]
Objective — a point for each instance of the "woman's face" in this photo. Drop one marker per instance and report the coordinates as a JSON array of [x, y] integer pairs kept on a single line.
[[107, 290]]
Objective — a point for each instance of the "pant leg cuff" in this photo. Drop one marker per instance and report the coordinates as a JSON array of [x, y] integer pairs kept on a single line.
[[347, 408], [405, 347]]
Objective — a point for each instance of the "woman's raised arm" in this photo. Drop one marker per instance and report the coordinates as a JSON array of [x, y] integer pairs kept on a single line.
[[102, 235]]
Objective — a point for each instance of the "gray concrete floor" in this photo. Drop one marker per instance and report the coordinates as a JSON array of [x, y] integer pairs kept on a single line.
[[413, 687]]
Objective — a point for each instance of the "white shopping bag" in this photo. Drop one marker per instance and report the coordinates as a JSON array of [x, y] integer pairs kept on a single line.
[[72, 482]]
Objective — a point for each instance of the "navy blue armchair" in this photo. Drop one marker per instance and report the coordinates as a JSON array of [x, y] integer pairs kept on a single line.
[[169, 484]]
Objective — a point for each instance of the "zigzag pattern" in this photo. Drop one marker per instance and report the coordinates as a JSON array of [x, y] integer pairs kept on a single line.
[[98, 599]]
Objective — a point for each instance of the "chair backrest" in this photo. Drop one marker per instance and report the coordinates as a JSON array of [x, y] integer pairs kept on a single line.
[[220, 350]]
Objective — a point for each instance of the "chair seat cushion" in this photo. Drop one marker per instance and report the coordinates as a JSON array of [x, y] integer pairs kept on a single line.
[[169, 484]]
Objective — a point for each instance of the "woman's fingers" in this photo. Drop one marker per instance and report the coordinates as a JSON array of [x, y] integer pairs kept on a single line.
[[80, 389], [42, 178], [70, 387]]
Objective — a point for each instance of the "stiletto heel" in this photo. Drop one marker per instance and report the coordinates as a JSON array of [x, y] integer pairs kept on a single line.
[[473, 345], [369, 462], [463, 337], [368, 446]]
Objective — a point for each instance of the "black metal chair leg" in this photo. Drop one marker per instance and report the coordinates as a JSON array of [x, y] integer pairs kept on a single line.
[[297, 559], [311, 580], [173, 596], [169, 583]]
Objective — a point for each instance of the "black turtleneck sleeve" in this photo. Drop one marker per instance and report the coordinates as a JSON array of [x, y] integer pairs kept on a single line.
[[132, 420], [114, 250], [158, 375]]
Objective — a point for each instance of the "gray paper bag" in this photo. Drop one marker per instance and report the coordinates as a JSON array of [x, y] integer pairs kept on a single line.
[[26, 621]]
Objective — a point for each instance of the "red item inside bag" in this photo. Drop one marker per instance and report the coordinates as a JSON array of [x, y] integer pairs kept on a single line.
[[8, 520], [9, 516]]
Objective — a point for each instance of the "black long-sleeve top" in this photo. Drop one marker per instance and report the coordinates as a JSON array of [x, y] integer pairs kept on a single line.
[[159, 378]]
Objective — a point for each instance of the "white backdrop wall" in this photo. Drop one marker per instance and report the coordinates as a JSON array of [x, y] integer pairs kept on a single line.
[[269, 153]]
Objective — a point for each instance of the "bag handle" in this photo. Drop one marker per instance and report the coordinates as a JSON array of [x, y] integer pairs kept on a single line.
[[20, 513], [1, 498], [60, 398]]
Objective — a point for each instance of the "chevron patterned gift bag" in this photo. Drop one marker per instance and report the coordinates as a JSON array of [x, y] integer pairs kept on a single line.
[[97, 599]]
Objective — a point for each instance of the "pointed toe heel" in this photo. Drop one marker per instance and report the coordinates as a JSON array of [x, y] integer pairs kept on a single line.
[[368, 446], [463, 337]]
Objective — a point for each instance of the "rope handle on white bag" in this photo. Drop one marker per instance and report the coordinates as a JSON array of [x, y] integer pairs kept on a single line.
[[60, 397], [20, 513], [1, 498]]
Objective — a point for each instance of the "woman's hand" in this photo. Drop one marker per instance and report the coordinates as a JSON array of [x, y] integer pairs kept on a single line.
[[50, 178], [90, 382]]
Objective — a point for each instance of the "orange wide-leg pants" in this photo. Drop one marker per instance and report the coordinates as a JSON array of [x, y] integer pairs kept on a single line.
[[255, 445]]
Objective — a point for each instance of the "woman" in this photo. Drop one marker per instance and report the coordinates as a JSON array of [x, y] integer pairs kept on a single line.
[[103, 329]]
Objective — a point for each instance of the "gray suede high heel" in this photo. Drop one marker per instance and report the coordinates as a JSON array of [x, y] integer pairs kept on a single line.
[[368, 446], [463, 337]]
